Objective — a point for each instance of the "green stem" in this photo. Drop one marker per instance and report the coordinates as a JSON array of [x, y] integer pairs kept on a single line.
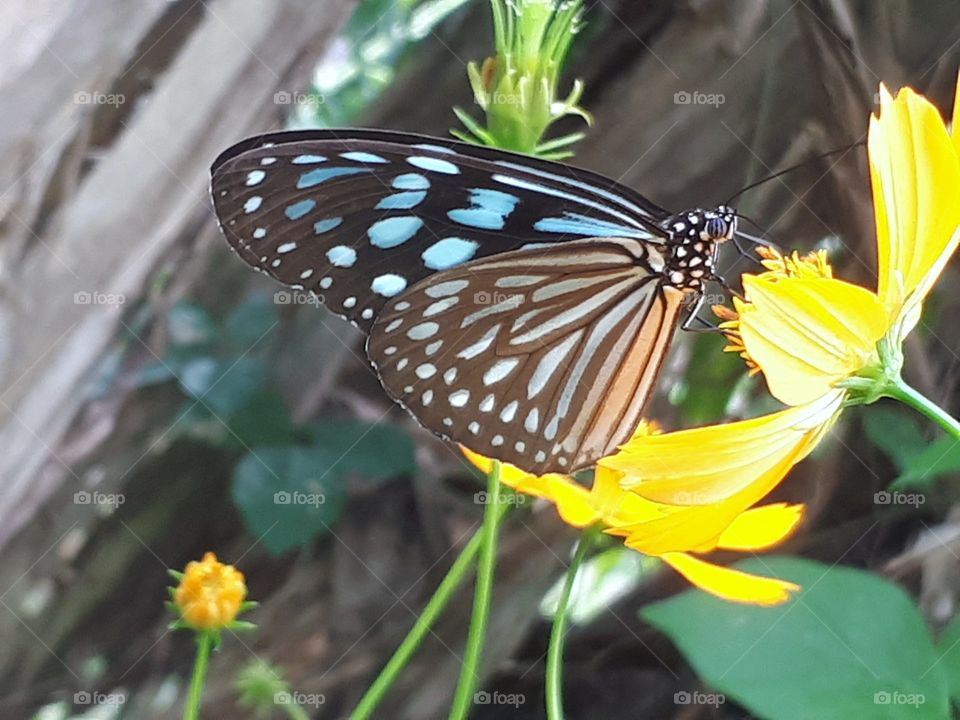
[[483, 592], [441, 598], [559, 631], [295, 712], [204, 645], [899, 390]]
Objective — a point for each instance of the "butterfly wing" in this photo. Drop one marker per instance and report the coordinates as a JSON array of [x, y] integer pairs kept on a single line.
[[543, 358], [359, 216]]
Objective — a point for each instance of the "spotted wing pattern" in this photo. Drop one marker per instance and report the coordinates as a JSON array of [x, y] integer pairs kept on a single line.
[[360, 216], [543, 358]]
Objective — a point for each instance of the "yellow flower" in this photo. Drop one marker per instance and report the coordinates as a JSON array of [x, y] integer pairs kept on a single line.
[[809, 332], [663, 530], [210, 594]]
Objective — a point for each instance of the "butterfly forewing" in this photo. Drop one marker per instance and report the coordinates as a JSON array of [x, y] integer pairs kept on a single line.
[[543, 358], [359, 219]]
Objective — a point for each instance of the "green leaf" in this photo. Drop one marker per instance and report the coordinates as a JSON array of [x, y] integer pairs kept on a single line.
[[949, 649], [712, 378], [895, 433], [374, 451], [941, 457], [850, 645], [247, 325], [288, 495], [190, 324]]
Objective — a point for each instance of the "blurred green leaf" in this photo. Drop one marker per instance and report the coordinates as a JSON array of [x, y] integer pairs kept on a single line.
[[372, 450], [250, 321], [231, 384], [710, 380], [288, 495], [850, 645], [190, 324], [603, 580], [942, 457], [949, 648], [263, 420], [895, 433]]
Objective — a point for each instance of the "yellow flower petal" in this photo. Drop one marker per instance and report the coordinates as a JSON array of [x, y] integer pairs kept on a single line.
[[728, 584], [807, 334], [570, 497], [761, 527], [955, 122], [617, 506], [915, 174], [713, 463], [573, 502]]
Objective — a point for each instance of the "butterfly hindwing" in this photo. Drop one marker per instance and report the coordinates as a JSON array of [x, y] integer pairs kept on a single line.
[[543, 358], [358, 217]]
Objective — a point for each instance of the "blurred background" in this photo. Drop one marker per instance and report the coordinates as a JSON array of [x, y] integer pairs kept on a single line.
[[157, 398]]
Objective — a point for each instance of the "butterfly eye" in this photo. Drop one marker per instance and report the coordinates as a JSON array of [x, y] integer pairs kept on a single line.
[[716, 228]]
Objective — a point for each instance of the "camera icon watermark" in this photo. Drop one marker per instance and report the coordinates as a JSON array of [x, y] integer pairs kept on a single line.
[[301, 699], [895, 697], [84, 297], [483, 498], [84, 97], [497, 298], [695, 97], [110, 500], [285, 97], [886, 497], [282, 497], [685, 697], [291, 297], [84, 697], [514, 700]]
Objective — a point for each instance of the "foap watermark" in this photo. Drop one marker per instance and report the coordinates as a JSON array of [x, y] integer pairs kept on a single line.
[[499, 698], [302, 699], [895, 697], [99, 98], [282, 497], [497, 298], [691, 498], [84, 697], [86, 497], [85, 297], [482, 498], [284, 97], [695, 97], [292, 297], [885, 497], [685, 697]]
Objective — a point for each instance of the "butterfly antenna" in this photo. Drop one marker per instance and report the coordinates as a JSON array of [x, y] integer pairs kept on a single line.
[[781, 173]]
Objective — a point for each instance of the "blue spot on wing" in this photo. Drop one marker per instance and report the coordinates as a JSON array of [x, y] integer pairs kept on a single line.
[[390, 232], [342, 256], [489, 211], [576, 224], [298, 209], [411, 181], [365, 157], [315, 177], [388, 284], [433, 164], [308, 159], [402, 200], [449, 252], [327, 225], [478, 218]]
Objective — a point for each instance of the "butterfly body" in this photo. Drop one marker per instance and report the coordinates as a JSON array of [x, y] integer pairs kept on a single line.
[[517, 306]]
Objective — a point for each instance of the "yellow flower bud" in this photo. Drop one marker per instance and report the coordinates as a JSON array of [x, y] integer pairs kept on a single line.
[[210, 594]]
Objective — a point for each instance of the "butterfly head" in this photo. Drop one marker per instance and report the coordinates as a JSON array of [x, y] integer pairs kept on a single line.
[[694, 236]]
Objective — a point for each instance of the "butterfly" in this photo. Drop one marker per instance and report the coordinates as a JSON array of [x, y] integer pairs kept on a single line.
[[520, 307]]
